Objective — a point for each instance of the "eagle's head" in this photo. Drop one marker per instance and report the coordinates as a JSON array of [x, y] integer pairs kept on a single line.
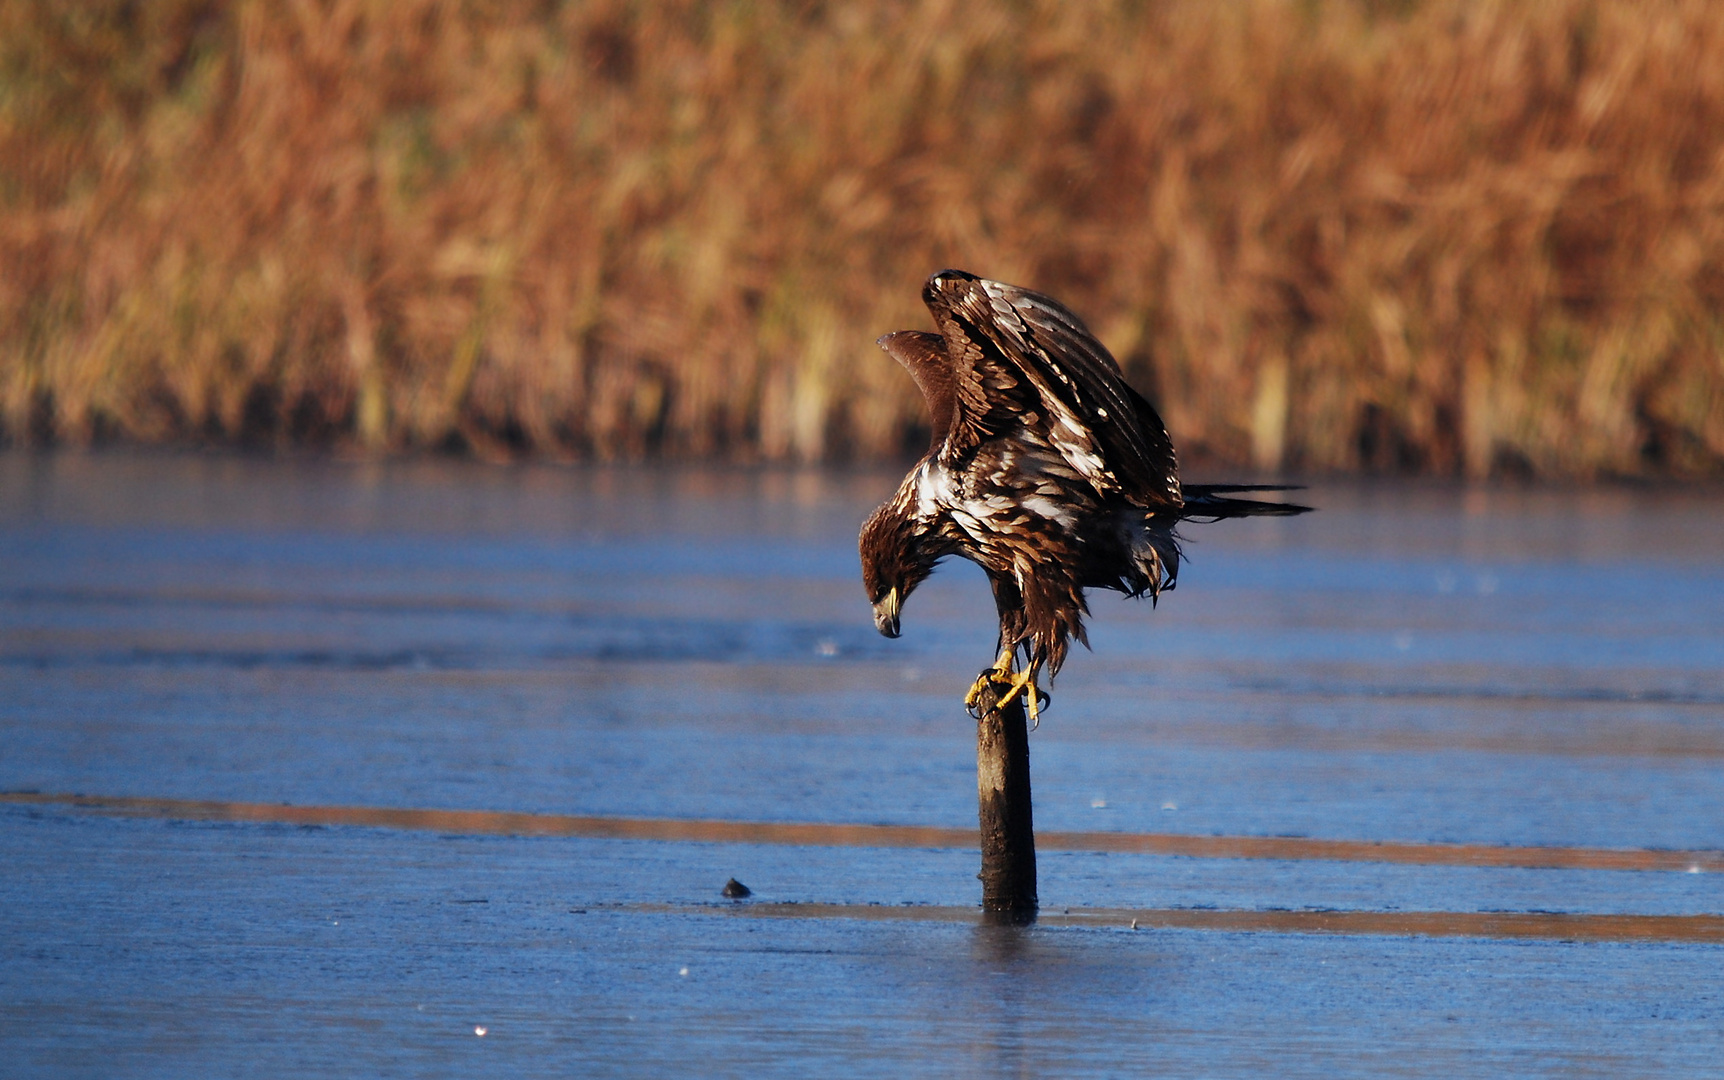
[[898, 554]]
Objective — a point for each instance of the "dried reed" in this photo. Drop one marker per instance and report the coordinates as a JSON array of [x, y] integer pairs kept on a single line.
[[1455, 236]]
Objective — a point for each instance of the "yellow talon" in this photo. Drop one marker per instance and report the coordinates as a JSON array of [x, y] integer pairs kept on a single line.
[[974, 698], [1034, 696]]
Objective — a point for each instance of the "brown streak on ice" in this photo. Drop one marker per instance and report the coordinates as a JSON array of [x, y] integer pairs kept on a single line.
[[502, 823], [1555, 926]]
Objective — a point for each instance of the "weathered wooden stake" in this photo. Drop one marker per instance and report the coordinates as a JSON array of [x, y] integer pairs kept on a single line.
[[1008, 828]]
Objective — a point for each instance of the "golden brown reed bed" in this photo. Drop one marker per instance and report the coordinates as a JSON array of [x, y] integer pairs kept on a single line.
[[1461, 237]]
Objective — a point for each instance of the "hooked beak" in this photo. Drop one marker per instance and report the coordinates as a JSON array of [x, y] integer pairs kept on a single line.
[[886, 614]]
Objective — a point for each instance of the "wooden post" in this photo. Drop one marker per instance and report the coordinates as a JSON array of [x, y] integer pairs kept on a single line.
[[1008, 829]]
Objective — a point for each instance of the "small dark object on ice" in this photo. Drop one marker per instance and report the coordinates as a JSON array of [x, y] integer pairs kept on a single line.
[[736, 890]]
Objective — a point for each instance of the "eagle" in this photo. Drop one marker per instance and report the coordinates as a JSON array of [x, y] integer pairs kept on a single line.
[[1046, 469]]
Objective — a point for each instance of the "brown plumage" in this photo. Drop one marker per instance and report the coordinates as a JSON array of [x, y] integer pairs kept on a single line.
[[1046, 469]]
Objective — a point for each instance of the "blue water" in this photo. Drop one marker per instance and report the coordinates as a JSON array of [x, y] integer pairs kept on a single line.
[[1413, 663]]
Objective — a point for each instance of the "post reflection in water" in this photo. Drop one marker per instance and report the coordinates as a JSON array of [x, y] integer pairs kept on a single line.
[[1006, 958], [1036, 993]]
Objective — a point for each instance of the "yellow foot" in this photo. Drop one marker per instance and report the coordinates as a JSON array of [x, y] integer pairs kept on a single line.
[[982, 690], [995, 688]]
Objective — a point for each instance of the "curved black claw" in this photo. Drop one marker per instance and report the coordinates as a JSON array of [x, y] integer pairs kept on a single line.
[[1043, 700]]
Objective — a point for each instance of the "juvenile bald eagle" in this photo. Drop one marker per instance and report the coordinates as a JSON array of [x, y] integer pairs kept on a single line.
[[1046, 469]]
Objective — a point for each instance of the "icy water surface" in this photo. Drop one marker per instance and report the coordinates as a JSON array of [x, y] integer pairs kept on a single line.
[[1429, 783]]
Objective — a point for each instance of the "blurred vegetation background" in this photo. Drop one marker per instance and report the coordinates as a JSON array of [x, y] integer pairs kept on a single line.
[[1464, 238]]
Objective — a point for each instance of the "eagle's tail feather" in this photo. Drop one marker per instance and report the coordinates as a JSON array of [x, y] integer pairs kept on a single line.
[[1213, 502]]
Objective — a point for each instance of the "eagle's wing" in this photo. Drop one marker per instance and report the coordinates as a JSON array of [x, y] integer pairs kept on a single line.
[[1012, 352], [924, 357], [973, 392]]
